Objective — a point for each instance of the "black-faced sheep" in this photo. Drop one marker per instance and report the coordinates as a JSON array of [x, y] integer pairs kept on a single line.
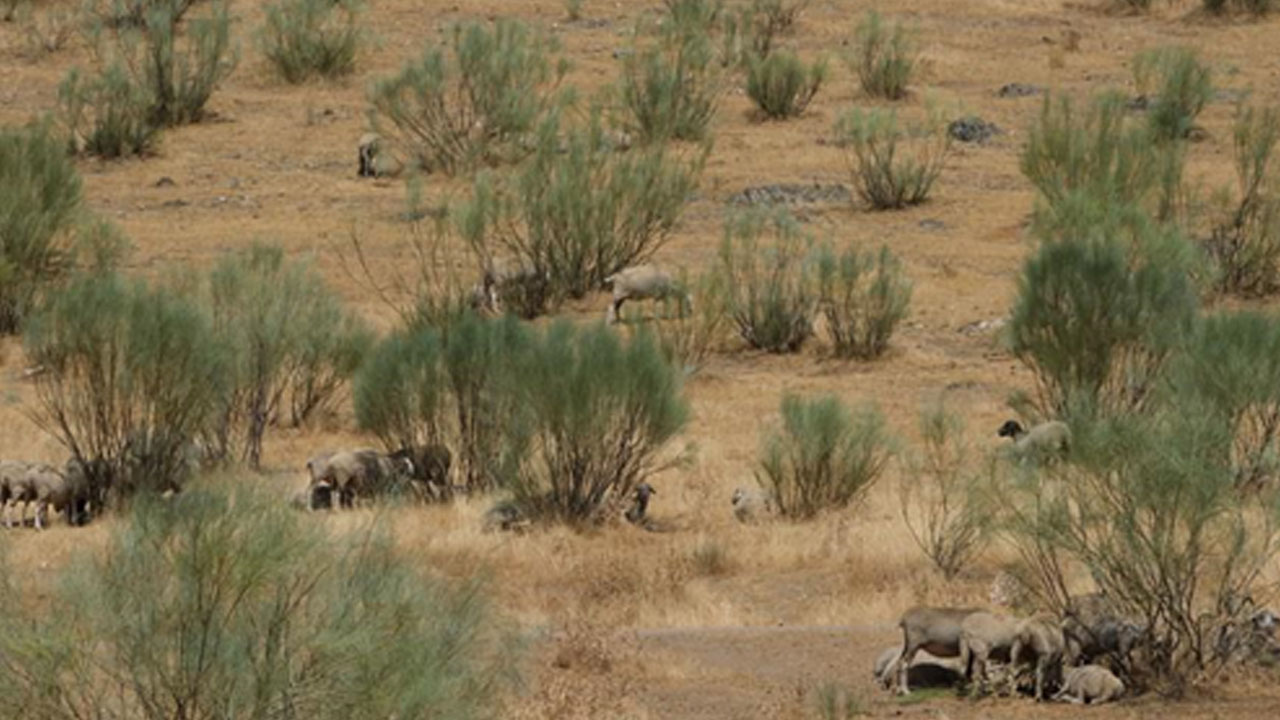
[[1047, 441]]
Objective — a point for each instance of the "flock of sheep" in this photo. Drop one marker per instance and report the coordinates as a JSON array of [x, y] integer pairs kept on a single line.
[[24, 483]]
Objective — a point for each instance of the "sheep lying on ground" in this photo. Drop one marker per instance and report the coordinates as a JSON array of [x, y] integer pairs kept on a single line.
[[926, 671], [932, 629], [983, 636], [363, 473], [1051, 439], [1090, 684], [1041, 637], [750, 505], [643, 282], [374, 158]]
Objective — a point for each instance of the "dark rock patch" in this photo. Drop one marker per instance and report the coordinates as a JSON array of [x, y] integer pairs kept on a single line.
[[1016, 90], [972, 129], [791, 194]]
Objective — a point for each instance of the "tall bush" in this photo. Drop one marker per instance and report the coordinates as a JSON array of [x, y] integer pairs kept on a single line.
[[580, 215], [132, 375], [230, 605], [1181, 86], [1245, 244], [864, 297], [475, 102], [306, 38], [670, 90], [822, 456], [771, 294], [884, 57], [781, 86], [892, 166]]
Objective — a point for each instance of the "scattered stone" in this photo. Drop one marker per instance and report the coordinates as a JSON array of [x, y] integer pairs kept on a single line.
[[791, 194], [972, 129], [1141, 103], [1014, 90], [174, 203], [1230, 95], [981, 326], [165, 181], [932, 224]]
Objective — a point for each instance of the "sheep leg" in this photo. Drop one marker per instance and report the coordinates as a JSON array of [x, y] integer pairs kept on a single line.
[[614, 308], [42, 508], [904, 664], [1040, 672]]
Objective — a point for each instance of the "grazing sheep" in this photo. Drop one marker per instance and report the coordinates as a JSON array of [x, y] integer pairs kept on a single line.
[[640, 503], [1089, 684], [505, 276], [925, 671], [932, 629], [1040, 635], [374, 161], [12, 483], [47, 487], [1093, 629], [351, 473], [643, 282], [428, 467], [1047, 440], [749, 505], [985, 635]]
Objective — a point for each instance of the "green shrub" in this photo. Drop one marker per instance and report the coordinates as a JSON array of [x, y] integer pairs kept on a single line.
[[864, 297], [108, 115], [600, 413], [129, 14], [765, 21], [180, 76], [1245, 245], [688, 335], [1096, 321], [771, 294], [781, 86], [822, 456], [887, 175], [132, 375], [883, 56], [41, 204], [1181, 85], [939, 494], [399, 391], [327, 355], [670, 90], [1149, 506], [305, 38], [271, 316], [834, 702], [573, 8], [692, 16], [477, 105], [577, 212], [231, 605]]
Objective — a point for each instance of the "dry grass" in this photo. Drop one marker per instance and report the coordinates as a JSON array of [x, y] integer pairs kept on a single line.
[[278, 162]]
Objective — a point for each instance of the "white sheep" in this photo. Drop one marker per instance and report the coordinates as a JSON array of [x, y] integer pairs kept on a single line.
[[12, 483], [46, 487], [374, 160], [1090, 684], [750, 505], [1041, 636], [932, 629], [644, 282], [1049, 439], [982, 636]]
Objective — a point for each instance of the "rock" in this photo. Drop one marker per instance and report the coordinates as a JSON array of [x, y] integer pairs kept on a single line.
[[972, 129], [1014, 90], [790, 194], [932, 224], [982, 326]]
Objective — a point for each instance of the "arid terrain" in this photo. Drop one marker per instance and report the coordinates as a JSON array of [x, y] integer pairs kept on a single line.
[[628, 623]]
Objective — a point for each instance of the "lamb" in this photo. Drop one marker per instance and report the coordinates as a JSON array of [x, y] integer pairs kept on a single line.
[[1090, 684], [750, 505], [1044, 441], [643, 282], [924, 671], [932, 629], [1042, 636], [984, 635], [374, 161]]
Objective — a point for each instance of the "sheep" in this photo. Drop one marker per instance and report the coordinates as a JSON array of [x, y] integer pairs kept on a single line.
[[1090, 684], [750, 505], [924, 671], [505, 515], [932, 629], [1042, 636], [503, 277], [48, 487], [984, 635], [640, 504], [1093, 629], [373, 159], [1044, 441], [12, 473], [350, 473], [643, 282], [428, 467]]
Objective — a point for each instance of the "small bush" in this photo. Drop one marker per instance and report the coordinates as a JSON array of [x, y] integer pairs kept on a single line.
[[231, 605], [108, 115], [835, 702], [578, 212], [49, 31], [1181, 85], [687, 335], [1245, 246], [939, 495], [771, 294], [883, 56], [822, 456], [305, 38], [781, 86], [692, 16], [1096, 321], [399, 391], [887, 176], [476, 105], [133, 374], [573, 9], [600, 412], [864, 297], [765, 21], [41, 203], [670, 90]]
